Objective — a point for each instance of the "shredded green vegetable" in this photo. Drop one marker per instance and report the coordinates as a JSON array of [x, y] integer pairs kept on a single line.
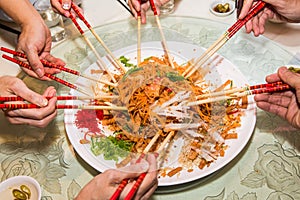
[[173, 76], [125, 61], [110, 147]]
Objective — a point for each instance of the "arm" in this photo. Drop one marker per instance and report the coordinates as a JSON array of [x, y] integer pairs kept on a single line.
[[41, 117], [284, 104], [35, 38]]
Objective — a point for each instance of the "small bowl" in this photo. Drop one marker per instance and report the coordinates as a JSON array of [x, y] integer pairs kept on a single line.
[[214, 3], [7, 186]]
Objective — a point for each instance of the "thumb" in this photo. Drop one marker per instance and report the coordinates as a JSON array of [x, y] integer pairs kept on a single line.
[[132, 171], [291, 78], [23, 91]]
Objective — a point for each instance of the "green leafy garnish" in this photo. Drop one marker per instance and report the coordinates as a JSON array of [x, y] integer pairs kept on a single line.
[[125, 61], [173, 76], [110, 147]]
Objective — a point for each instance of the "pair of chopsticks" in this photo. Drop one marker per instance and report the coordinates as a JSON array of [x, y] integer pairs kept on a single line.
[[240, 92], [52, 65], [224, 38], [140, 179], [163, 39], [58, 106], [116, 63]]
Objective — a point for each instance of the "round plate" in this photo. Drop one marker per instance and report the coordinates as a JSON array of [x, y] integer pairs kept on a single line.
[[220, 70]]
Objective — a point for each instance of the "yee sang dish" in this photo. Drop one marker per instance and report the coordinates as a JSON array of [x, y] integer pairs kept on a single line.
[[156, 97]]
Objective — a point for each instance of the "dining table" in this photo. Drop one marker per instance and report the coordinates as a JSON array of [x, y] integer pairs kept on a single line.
[[266, 167]]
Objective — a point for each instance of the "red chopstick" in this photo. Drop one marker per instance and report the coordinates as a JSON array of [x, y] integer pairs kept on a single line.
[[256, 8], [17, 98], [31, 106], [116, 62], [25, 65], [60, 67], [44, 62], [124, 182]]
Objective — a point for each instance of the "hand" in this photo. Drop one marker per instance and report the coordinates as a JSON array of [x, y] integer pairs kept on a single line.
[[64, 7], [35, 42], [144, 7], [104, 185], [277, 10], [284, 104], [40, 117]]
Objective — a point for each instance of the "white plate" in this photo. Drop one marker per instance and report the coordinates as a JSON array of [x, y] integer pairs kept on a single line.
[[220, 71]]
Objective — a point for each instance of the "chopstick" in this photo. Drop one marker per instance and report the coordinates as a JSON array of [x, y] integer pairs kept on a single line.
[[9, 29], [17, 98], [124, 182], [223, 39], [60, 67], [100, 62], [25, 65], [143, 175], [164, 44], [241, 89], [239, 5], [82, 18], [126, 7], [139, 35], [62, 106], [270, 89]]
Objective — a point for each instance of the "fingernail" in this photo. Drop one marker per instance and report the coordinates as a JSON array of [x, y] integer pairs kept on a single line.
[[39, 73], [144, 166], [66, 6], [43, 102]]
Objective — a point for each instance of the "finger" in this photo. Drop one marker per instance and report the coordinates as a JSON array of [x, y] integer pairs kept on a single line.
[[273, 78], [248, 26], [35, 63], [35, 114], [255, 26], [291, 78], [279, 99], [275, 109], [150, 180], [63, 8], [149, 193], [246, 7], [66, 4], [37, 123], [20, 89]]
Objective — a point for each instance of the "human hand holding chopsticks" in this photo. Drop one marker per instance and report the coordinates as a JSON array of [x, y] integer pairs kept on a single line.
[[35, 38], [64, 7], [285, 104], [39, 117], [143, 7], [103, 185], [278, 10]]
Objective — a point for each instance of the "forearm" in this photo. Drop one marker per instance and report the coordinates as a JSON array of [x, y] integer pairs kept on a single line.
[[21, 11]]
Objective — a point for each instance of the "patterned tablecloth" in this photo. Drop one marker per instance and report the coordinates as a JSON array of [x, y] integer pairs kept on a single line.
[[267, 168]]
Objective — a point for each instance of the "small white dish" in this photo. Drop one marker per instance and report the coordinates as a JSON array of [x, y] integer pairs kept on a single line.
[[8, 185], [214, 3]]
